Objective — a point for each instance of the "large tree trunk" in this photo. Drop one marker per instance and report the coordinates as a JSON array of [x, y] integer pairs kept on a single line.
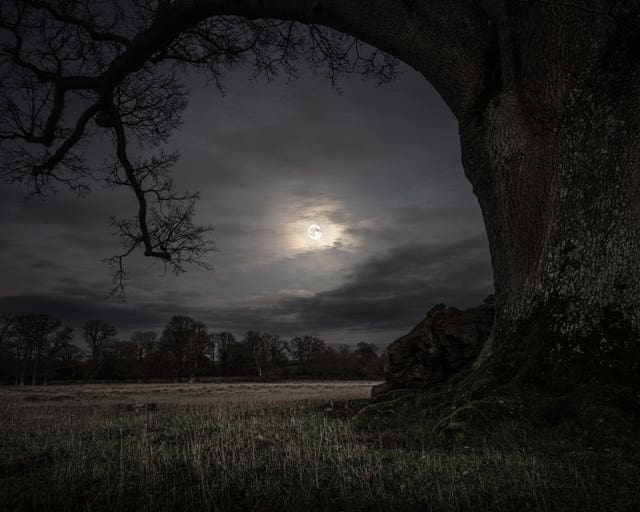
[[561, 203], [553, 151]]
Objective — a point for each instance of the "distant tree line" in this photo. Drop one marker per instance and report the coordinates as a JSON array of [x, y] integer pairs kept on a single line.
[[37, 348]]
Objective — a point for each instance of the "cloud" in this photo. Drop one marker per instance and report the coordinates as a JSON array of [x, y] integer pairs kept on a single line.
[[385, 293], [45, 264], [76, 309], [393, 291]]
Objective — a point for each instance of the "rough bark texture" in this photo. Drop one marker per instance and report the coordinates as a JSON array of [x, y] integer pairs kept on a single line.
[[552, 153], [446, 341]]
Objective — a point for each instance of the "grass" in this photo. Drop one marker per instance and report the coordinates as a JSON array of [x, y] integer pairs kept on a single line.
[[277, 446]]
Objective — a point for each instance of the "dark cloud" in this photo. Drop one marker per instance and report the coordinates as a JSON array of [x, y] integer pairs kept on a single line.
[[76, 309], [387, 293], [45, 264], [391, 302], [64, 208], [384, 293]]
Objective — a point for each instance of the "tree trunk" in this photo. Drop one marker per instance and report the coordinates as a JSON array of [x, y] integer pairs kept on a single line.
[[34, 375], [562, 213], [552, 149], [212, 347], [258, 366]]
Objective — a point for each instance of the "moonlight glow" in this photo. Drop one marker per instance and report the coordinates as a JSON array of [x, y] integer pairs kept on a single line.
[[314, 232], [316, 225]]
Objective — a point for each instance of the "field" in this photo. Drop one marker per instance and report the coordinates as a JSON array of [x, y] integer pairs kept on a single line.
[[273, 446]]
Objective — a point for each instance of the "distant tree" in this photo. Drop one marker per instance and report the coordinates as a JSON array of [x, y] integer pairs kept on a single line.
[[35, 334], [268, 352], [346, 361], [369, 364], [226, 343], [68, 361], [120, 360], [145, 342], [344, 351], [69, 353], [210, 352], [7, 328], [121, 350], [184, 341], [366, 351], [278, 349], [22, 348], [255, 342], [199, 348], [60, 344], [306, 349], [96, 333], [7, 345]]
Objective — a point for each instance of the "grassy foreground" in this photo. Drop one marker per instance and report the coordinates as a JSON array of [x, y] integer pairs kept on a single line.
[[280, 446]]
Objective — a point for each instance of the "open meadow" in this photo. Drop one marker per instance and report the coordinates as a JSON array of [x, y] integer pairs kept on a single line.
[[272, 446]]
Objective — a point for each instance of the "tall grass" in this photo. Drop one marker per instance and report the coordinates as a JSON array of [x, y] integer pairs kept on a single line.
[[262, 456]]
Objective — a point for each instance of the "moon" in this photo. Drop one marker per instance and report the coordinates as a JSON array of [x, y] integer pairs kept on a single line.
[[314, 232]]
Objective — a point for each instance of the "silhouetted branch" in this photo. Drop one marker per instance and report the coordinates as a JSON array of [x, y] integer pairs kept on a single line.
[[70, 70]]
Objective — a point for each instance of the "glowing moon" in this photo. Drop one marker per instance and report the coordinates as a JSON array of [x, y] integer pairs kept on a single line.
[[314, 232]]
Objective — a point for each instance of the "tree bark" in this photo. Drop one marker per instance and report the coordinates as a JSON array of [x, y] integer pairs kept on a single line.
[[552, 151]]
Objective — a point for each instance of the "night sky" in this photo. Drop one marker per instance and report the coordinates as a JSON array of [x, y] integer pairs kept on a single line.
[[377, 168]]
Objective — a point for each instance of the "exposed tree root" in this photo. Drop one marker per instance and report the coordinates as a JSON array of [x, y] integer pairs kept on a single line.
[[468, 410]]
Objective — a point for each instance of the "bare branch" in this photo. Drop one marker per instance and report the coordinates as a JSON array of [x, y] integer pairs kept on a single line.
[[68, 18], [165, 230]]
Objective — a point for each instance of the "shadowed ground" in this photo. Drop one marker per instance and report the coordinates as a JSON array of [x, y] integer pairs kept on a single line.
[[278, 446]]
